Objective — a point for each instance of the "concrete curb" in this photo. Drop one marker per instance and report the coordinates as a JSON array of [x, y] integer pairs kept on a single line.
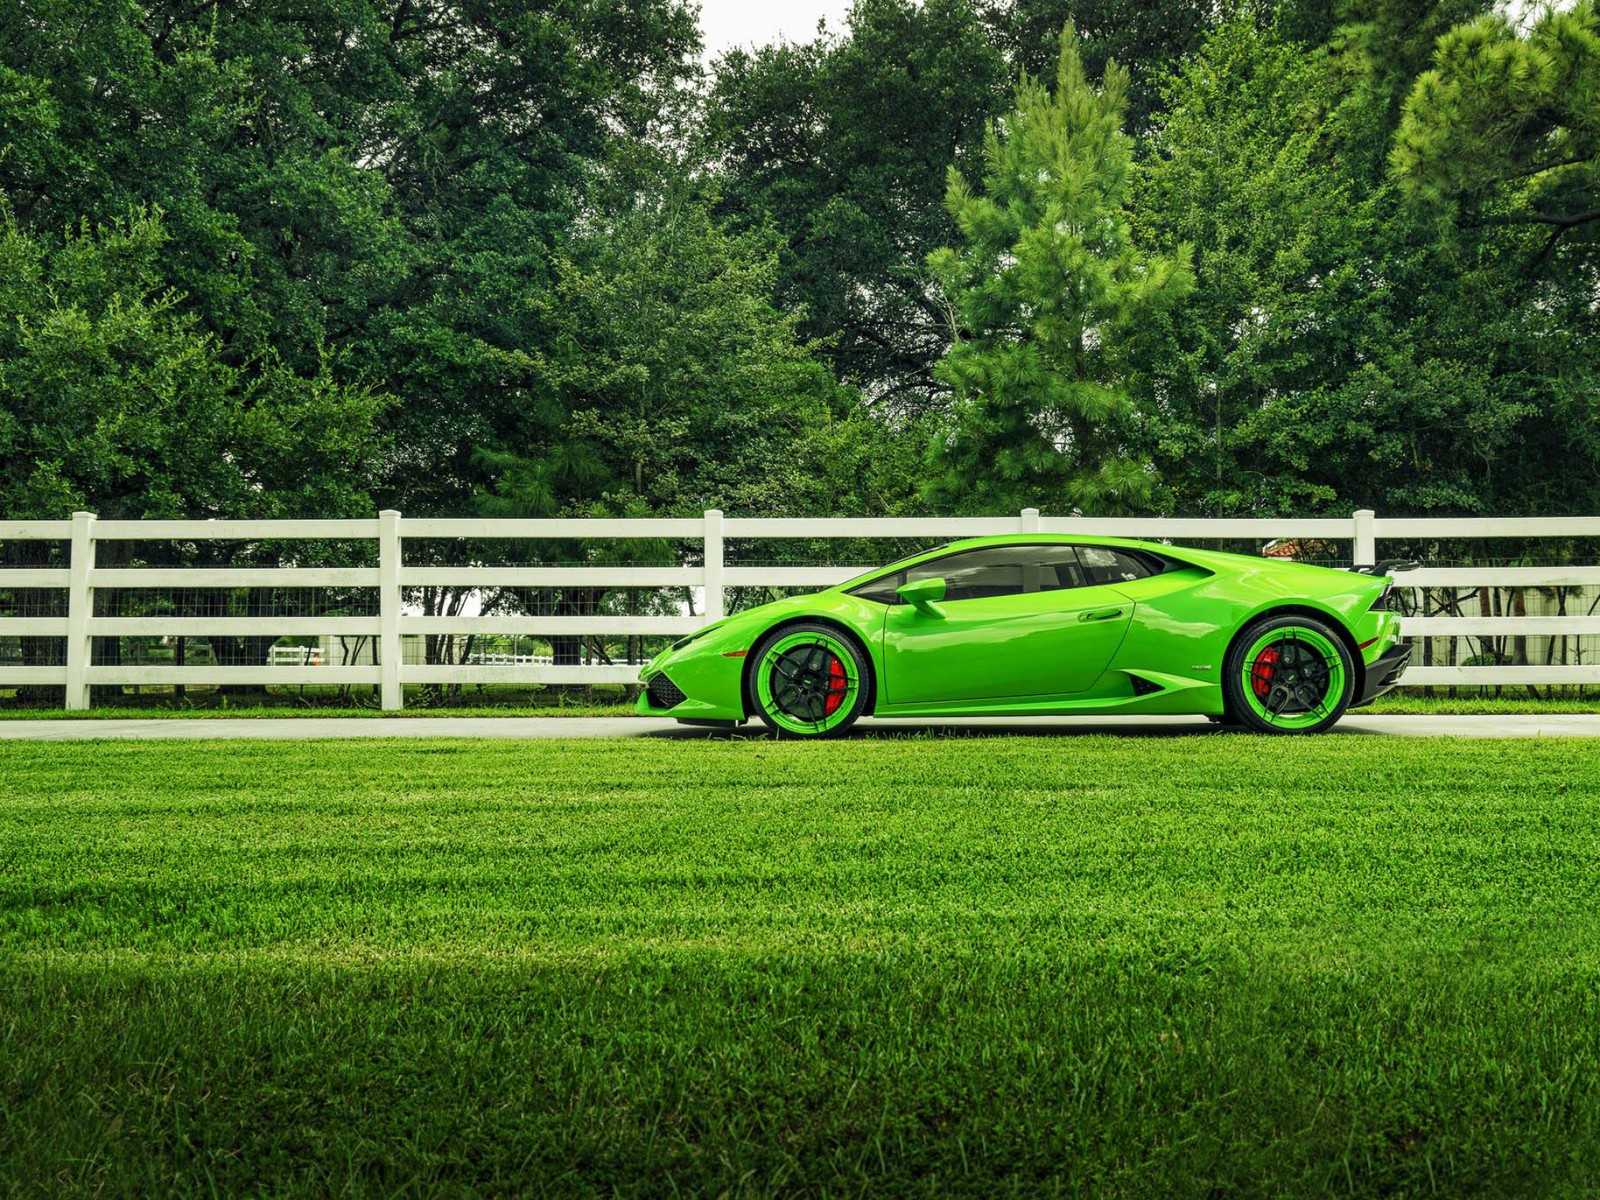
[[527, 728]]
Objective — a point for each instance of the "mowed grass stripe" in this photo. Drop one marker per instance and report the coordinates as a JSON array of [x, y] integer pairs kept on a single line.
[[489, 846], [1074, 965]]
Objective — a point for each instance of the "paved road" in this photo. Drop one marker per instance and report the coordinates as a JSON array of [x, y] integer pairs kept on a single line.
[[299, 728]]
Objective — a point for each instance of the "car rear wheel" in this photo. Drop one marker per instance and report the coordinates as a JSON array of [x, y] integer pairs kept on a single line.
[[808, 681], [1288, 674]]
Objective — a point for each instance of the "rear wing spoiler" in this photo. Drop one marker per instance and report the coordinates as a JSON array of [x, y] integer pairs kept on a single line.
[[1387, 567]]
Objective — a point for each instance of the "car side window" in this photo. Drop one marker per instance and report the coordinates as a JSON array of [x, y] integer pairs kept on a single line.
[[1104, 565], [975, 574], [992, 571]]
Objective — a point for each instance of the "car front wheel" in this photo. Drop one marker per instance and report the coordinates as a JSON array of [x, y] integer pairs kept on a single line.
[[808, 681]]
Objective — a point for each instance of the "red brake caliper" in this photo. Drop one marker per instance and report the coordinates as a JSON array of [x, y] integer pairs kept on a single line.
[[838, 685], [1262, 671]]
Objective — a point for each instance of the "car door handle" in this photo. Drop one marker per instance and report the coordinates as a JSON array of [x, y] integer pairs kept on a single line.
[[1101, 614]]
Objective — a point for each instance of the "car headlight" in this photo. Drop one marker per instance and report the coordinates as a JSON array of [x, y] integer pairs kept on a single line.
[[694, 637]]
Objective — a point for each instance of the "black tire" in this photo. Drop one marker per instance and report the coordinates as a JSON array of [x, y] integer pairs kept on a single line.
[[786, 701], [1318, 666]]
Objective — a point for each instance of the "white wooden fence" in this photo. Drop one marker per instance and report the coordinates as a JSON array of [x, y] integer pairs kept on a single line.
[[392, 576]]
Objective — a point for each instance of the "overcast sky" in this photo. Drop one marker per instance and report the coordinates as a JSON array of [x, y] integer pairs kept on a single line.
[[728, 23]]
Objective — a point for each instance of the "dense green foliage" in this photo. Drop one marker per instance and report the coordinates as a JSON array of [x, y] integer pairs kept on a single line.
[[537, 257], [671, 383], [843, 145], [1339, 350], [112, 396], [976, 966], [1509, 126], [377, 185], [1147, 40]]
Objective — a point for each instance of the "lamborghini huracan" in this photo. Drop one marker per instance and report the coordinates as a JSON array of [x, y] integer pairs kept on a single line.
[[1041, 624]]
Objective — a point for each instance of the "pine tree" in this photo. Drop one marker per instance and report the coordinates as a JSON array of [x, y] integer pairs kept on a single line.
[[1046, 297], [1505, 129]]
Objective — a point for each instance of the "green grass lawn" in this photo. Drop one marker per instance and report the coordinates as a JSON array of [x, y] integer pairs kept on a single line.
[[1217, 965]]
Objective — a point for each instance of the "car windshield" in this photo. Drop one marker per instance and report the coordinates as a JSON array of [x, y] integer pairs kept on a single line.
[[899, 562]]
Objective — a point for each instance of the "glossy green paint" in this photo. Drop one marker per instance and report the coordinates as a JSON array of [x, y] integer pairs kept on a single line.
[[1074, 650], [1039, 644], [924, 596]]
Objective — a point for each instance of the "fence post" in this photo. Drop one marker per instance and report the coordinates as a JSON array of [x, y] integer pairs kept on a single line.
[[713, 603], [389, 652], [80, 607], [1030, 520], [1366, 540]]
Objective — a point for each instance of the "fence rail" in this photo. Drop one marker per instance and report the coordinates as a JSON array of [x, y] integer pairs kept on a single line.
[[391, 621]]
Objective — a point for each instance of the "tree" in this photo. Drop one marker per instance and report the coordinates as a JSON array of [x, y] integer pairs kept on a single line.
[[504, 109], [1046, 294], [113, 398], [378, 179], [671, 383], [1505, 129], [1335, 354], [842, 146], [241, 123]]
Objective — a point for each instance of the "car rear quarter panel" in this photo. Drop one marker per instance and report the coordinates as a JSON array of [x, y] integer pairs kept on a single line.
[[1185, 619]]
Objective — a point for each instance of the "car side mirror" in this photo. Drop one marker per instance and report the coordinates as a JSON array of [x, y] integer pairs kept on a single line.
[[923, 595]]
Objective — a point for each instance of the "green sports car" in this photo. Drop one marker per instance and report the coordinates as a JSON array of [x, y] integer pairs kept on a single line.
[[1041, 624]]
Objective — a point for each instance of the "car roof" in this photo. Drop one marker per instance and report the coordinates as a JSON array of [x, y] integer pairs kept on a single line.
[[1040, 539], [1035, 539]]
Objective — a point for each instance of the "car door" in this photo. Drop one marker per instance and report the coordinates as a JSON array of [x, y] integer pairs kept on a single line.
[[1016, 621]]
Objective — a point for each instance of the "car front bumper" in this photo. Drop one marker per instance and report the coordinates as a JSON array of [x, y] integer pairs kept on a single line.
[[1383, 673], [700, 680]]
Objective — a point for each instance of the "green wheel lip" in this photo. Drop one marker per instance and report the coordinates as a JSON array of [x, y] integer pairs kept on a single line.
[[1336, 676], [763, 682]]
